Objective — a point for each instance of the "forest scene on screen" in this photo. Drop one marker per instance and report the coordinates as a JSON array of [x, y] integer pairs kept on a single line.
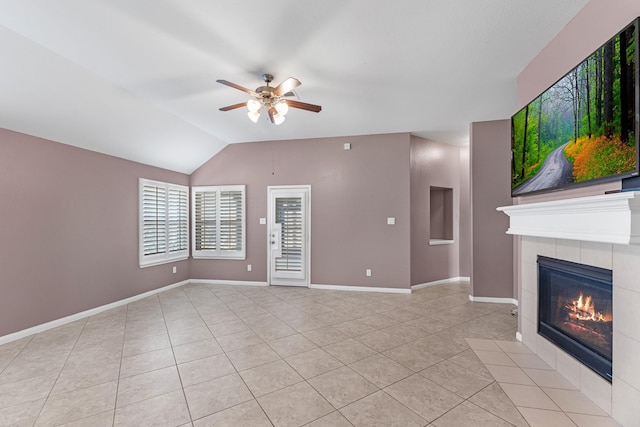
[[581, 128]]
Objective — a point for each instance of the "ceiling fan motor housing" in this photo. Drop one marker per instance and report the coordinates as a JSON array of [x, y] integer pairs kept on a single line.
[[265, 91]]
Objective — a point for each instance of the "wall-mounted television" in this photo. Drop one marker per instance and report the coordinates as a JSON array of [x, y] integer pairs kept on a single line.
[[584, 128]]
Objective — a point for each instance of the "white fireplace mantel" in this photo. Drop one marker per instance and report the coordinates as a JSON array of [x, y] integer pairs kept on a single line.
[[609, 218]]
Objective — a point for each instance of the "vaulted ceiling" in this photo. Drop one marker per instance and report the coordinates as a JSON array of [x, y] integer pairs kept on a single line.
[[137, 79]]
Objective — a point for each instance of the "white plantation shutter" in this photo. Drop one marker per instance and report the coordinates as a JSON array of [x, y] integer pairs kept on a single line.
[[219, 222], [289, 216], [231, 220], [154, 219], [178, 220], [164, 222], [205, 220]]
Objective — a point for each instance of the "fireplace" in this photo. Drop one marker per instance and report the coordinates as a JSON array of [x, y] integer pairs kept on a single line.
[[602, 231], [575, 311]]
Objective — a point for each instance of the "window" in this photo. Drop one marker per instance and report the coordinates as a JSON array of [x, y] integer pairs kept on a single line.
[[164, 222], [219, 222]]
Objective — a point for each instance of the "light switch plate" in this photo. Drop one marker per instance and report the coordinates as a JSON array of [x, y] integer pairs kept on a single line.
[[347, 146], [391, 221], [263, 221]]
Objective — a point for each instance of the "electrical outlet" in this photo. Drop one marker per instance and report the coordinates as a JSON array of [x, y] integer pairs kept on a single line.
[[175, 269], [368, 272], [248, 267], [391, 221]]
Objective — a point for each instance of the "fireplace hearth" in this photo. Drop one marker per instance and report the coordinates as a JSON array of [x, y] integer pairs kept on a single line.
[[575, 311]]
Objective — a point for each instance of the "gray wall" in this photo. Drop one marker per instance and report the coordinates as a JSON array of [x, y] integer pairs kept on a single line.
[[433, 164], [69, 227], [352, 194], [492, 248]]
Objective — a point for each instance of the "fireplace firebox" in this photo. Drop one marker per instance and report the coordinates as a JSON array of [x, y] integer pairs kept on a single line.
[[575, 311]]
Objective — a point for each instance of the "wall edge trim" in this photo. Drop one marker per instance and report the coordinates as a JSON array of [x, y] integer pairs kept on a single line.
[[360, 289], [86, 313], [227, 282], [494, 300], [96, 310], [440, 282]]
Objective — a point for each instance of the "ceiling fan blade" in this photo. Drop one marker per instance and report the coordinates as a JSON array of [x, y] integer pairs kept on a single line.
[[303, 105], [286, 86], [235, 86], [272, 111], [234, 106]]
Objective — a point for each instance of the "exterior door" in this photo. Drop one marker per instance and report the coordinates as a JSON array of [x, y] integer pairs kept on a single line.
[[288, 223]]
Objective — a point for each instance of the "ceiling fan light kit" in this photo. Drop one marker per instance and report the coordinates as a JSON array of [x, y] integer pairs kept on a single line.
[[272, 99], [253, 105], [254, 116]]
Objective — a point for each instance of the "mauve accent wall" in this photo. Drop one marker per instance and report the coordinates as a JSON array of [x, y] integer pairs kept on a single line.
[[596, 23], [353, 192], [492, 248], [69, 227], [465, 214], [433, 164]]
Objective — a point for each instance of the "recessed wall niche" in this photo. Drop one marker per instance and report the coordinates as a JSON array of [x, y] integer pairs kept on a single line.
[[441, 215]]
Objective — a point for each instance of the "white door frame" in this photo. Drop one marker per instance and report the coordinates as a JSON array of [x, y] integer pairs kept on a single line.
[[306, 232]]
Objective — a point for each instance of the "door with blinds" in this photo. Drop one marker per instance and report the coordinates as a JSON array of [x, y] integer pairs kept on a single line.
[[289, 235]]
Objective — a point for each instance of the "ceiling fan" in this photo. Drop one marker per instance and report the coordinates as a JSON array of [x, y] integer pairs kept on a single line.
[[273, 99]]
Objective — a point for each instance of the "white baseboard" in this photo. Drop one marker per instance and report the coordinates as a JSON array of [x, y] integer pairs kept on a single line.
[[440, 282], [361, 289], [87, 313], [93, 311], [494, 300], [228, 282]]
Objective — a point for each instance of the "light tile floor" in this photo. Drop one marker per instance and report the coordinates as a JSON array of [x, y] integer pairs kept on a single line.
[[543, 396], [204, 355]]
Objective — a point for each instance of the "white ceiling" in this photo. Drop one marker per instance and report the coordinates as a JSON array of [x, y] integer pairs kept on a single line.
[[136, 78]]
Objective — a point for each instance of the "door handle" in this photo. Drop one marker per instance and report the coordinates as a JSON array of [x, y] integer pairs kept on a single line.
[[276, 240]]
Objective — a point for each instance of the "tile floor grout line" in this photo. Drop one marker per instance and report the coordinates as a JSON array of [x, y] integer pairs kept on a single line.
[[560, 410], [497, 415], [124, 332], [31, 337], [325, 310], [306, 380], [449, 410], [176, 363], [46, 399], [234, 367]]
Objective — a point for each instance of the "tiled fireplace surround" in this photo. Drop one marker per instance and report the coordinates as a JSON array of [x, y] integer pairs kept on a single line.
[[602, 231]]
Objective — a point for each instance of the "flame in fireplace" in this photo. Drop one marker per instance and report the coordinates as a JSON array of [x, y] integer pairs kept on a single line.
[[584, 309]]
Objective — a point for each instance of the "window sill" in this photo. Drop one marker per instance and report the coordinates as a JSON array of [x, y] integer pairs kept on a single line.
[[229, 257], [164, 260], [435, 242]]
